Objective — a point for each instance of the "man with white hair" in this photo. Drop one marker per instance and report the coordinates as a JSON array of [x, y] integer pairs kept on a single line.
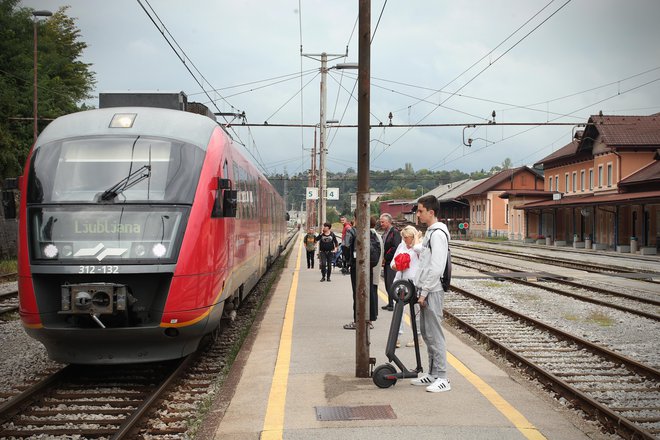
[[391, 240]]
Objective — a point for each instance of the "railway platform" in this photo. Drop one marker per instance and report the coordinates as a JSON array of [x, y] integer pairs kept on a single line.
[[295, 379]]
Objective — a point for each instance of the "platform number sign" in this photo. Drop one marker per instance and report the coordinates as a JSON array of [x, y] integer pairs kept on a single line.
[[312, 193], [333, 194]]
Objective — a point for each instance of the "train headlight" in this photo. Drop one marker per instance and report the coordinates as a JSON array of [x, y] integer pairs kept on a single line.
[[123, 120], [140, 250], [67, 250], [50, 251], [159, 250]]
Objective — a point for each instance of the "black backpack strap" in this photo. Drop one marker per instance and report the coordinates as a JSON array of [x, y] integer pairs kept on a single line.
[[431, 234]]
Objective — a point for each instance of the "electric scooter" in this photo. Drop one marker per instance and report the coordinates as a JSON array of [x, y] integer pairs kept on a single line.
[[385, 375]]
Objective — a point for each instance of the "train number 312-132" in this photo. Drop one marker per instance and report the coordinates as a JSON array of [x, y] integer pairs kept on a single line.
[[98, 269]]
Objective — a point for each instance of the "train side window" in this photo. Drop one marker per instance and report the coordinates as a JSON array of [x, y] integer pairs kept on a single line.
[[225, 200]]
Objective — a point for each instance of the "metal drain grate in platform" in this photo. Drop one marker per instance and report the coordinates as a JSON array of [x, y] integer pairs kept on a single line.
[[337, 413]]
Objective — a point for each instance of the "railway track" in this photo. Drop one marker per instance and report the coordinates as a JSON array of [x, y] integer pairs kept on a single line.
[[4, 277], [641, 275], [637, 305], [89, 401], [8, 302], [158, 400], [620, 392]]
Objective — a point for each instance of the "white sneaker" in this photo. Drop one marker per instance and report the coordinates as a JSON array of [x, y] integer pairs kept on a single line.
[[440, 385], [423, 380]]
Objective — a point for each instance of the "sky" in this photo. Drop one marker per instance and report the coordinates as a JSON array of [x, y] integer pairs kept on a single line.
[[432, 62]]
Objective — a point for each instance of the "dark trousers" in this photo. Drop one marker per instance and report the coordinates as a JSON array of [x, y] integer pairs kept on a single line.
[[310, 259], [346, 253], [326, 263], [388, 274], [373, 295]]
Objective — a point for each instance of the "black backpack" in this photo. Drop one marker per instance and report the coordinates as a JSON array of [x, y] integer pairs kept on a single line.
[[374, 249], [446, 277]]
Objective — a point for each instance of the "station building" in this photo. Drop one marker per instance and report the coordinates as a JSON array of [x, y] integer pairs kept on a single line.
[[601, 191]]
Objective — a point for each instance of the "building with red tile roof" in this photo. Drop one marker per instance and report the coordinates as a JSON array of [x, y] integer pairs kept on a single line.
[[603, 188]]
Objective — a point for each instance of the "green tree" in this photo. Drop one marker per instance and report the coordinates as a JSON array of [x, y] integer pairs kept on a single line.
[[401, 194], [63, 79]]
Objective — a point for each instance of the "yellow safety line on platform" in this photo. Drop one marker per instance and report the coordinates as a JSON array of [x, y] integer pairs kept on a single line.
[[519, 421], [274, 421]]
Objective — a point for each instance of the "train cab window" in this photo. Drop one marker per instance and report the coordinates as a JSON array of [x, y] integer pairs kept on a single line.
[[114, 169]]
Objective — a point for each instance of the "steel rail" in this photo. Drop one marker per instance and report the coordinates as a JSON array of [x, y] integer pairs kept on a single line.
[[588, 404], [131, 422], [572, 283], [9, 407], [637, 312], [573, 264]]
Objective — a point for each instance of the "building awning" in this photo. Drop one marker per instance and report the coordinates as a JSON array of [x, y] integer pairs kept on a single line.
[[591, 199], [527, 192]]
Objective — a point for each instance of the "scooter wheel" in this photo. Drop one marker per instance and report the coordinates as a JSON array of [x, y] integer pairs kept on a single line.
[[382, 376]]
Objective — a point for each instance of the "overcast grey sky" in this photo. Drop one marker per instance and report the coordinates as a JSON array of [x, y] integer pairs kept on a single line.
[[590, 55]]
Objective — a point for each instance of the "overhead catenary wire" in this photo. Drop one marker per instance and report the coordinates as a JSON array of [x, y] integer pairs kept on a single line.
[[552, 121], [183, 57], [289, 100], [480, 59], [481, 71]]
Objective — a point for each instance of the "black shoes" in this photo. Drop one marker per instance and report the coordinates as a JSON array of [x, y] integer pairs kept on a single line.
[[322, 279], [388, 308], [328, 279]]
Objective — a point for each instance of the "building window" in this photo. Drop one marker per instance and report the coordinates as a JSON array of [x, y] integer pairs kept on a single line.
[[550, 187], [609, 174], [591, 179], [574, 182], [506, 216], [557, 183], [566, 183], [582, 180], [600, 176]]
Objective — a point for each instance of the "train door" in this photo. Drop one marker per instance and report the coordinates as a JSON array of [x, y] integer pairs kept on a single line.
[[228, 232], [263, 226]]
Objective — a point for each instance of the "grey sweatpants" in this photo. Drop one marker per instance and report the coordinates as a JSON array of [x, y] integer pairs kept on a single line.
[[430, 323]]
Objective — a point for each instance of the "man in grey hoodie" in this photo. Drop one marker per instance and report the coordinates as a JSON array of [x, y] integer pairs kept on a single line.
[[432, 260]]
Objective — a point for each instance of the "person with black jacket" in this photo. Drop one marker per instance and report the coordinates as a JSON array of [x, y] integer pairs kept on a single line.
[[375, 244], [327, 247], [391, 240]]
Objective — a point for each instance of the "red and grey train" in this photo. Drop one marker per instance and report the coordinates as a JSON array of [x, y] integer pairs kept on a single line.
[[138, 227]]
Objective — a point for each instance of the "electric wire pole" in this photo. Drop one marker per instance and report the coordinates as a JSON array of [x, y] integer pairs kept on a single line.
[[322, 124], [363, 206]]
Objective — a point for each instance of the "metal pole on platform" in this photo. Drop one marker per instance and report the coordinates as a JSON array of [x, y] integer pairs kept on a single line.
[[311, 204], [322, 150], [363, 267]]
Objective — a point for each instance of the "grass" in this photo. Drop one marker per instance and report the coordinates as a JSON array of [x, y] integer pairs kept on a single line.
[[601, 319], [492, 284], [494, 239], [597, 318], [8, 266]]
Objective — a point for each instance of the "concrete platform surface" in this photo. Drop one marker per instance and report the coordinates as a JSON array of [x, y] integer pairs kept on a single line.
[[302, 358]]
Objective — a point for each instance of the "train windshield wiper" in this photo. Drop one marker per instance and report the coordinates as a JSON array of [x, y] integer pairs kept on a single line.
[[129, 181]]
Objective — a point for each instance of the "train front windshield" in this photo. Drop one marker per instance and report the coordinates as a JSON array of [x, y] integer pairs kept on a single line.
[[110, 200]]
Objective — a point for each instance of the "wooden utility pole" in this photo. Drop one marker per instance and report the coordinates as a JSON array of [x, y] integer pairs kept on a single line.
[[363, 206]]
